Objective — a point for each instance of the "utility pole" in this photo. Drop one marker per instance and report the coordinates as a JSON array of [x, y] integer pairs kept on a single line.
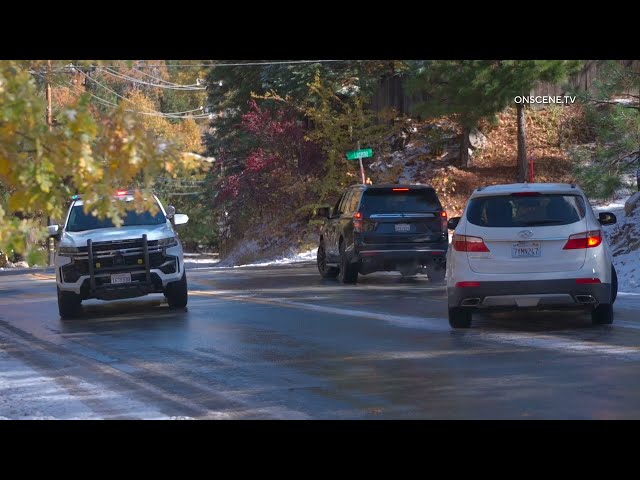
[[523, 163], [364, 181], [49, 109], [51, 241]]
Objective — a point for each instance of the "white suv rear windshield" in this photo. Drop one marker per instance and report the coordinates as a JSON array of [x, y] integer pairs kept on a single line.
[[518, 210]]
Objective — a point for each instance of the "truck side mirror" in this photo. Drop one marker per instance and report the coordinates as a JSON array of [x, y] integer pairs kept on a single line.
[[54, 231], [180, 219]]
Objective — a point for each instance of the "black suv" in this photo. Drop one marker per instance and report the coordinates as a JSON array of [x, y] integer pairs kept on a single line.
[[375, 228]]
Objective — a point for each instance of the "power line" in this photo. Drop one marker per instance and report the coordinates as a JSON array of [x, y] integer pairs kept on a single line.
[[156, 78], [148, 110], [285, 62], [137, 80], [107, 103]]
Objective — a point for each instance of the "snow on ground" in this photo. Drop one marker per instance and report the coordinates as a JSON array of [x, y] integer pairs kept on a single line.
[[628, 269], [22, 264], [308, 256], [627, 265], [200, 260], [26, 394]]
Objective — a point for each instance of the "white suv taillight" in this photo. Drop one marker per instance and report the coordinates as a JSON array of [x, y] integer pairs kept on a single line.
[[584, 240], [465, 243]]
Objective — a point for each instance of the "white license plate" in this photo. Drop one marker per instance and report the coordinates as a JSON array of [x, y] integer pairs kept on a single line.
[[526, 249], [403, 227], [120, 278]]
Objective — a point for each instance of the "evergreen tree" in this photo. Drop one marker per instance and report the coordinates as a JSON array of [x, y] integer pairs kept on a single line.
[[613, 111], [478, 89]]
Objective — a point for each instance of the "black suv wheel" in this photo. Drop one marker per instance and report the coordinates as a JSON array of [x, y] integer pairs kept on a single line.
[[325, 270], [348, 271]]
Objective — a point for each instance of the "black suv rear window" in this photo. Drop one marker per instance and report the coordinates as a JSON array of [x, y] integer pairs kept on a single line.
[[525, 211], [378, 200]]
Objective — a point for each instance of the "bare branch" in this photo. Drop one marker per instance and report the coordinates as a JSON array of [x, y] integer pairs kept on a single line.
[[635, 107], [635, 153]]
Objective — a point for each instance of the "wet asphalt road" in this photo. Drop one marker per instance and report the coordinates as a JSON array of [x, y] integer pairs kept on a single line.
[[281, 343]]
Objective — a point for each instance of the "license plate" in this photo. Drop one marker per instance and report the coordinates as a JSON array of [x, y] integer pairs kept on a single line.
[[120, 278], [403, 227], [526, 249]]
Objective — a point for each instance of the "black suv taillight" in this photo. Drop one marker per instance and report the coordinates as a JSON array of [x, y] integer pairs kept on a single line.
[[358, 222]]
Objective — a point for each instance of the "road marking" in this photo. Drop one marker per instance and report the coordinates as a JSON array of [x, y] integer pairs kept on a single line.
[[44, 276], [552, 342], [431, 323]]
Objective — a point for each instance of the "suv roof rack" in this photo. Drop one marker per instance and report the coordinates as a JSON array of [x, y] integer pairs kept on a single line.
[[573, 185], [480, 188]]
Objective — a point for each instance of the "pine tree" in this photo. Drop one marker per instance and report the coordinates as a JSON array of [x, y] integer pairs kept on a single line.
[[478, 89], [613, 108]]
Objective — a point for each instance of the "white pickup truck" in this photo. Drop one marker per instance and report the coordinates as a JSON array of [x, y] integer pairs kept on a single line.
[[95, 259]]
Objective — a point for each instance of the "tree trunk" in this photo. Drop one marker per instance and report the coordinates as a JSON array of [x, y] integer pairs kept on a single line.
[[464, 147], [523, 163]]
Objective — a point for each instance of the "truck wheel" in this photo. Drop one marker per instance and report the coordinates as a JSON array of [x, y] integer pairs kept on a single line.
[[177, 293], [68, 304]]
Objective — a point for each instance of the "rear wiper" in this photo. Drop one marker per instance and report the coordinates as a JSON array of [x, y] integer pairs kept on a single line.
[[544, 222]]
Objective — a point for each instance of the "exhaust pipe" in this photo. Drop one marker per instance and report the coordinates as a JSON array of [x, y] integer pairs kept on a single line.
[[585, 299], [470, 302]]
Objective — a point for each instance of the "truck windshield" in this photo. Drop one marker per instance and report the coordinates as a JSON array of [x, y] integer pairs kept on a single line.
[[80, 221]]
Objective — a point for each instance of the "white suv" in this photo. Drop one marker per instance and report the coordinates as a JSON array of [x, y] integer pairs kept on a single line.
[[94, 259], [536, 245]]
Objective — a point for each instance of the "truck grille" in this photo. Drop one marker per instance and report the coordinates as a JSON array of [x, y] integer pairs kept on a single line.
[[79, 267]]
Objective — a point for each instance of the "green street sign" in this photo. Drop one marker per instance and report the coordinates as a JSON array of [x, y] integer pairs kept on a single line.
[[356, 154]]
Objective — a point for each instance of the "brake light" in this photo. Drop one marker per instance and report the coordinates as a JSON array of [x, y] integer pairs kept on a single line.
[[357, 222], [526, 194], [467, 284], [120, 193], [400, 189], [466, 243], [444, 226], [584, 240], [582, 281]]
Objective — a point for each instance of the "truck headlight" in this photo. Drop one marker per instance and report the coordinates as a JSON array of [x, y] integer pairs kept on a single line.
[[168, 242]]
